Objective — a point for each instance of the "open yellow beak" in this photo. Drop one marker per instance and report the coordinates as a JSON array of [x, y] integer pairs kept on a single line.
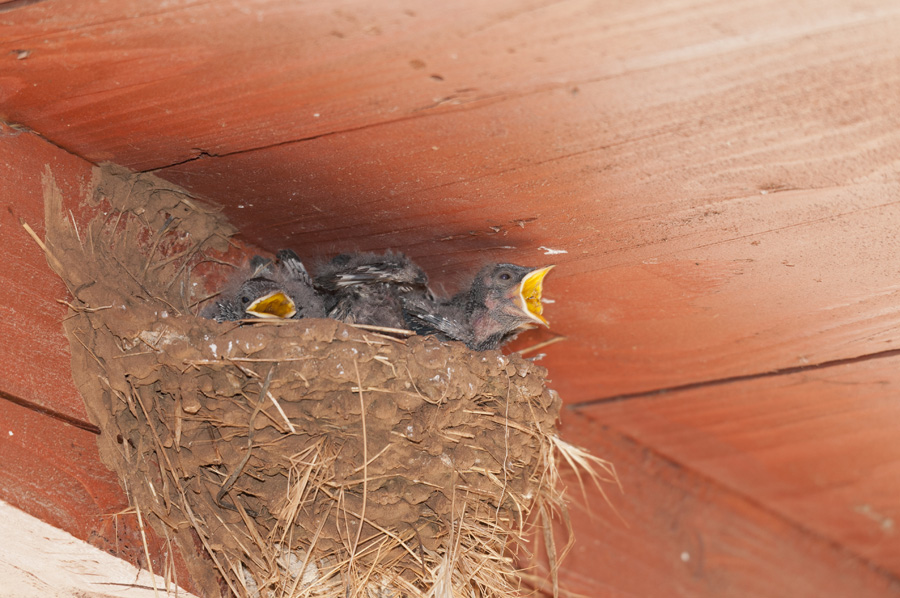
[[530, 291], [274, 305]]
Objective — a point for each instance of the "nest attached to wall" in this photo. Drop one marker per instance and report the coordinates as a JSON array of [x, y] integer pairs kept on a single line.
[[260, 448]]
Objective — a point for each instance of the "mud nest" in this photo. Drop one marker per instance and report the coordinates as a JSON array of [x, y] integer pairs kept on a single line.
[[294, 458]]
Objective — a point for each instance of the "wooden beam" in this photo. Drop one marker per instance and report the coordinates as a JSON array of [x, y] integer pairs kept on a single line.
[[34, 351]]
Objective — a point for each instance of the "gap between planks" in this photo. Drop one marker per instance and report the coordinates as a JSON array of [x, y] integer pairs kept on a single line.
[[736, 379], [89, 427]]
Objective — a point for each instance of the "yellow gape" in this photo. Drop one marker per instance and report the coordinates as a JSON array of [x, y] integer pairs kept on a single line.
[[530, 292], [275, 305]]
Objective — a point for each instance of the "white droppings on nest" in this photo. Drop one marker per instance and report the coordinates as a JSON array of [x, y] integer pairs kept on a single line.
[[161, 338]]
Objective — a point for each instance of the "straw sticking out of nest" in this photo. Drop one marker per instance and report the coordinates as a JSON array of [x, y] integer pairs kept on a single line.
[[305, 459]]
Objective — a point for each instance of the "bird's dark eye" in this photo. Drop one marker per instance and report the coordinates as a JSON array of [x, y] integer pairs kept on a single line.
[[245, 299], [505, 276]]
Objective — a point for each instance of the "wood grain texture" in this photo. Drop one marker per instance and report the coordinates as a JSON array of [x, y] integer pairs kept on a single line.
[[37, 561], [818, 448], [681, 534], [95, 71], [717, 221]]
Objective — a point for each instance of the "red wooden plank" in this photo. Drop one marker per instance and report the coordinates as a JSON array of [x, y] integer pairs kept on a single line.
[[35, 351], [819, 447], [684, 535], [147, 85], [691, 291], [700, 246]]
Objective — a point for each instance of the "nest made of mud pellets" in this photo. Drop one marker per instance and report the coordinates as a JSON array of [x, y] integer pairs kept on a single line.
[[308, 458]]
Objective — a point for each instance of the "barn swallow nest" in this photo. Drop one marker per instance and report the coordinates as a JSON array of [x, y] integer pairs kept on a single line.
[[305, 457]]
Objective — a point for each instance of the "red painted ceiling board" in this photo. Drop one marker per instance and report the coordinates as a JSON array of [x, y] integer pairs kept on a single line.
[[721, 216], [817, 447], [683, 535], [150, 84]]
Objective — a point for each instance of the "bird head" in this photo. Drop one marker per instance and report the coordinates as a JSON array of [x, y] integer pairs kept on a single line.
[[511, 292]]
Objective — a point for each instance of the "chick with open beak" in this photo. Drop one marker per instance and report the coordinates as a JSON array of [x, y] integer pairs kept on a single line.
[[502, 300], [281, 290]]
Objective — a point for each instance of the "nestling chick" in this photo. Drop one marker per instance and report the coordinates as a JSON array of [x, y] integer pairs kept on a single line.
[[367, 288], [267, 290], [503, 300]]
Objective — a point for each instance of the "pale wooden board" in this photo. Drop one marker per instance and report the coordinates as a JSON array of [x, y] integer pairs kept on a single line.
[[53, 471], [40, 561], [818, 448]]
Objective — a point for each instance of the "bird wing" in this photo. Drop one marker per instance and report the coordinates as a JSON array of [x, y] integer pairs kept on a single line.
[[396, 270], [438, 319], [292, 267]]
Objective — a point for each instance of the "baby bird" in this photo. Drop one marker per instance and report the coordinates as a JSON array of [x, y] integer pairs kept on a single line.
[[503, 300], [268, 290], [367, 288]]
